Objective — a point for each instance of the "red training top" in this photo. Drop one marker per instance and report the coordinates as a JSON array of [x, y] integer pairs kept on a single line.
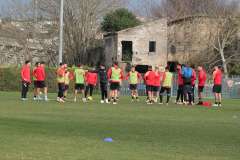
[[39, 73], [33, 73], [217, 77], [194, 77], [91, 78], [61, 72], [157, 81], [149, 78], [202, 77], [71, 75], [180, 79], [25, 73]]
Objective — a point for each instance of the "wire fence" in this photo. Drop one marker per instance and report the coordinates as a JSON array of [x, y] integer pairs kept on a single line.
[[230, 88], [10, 81]]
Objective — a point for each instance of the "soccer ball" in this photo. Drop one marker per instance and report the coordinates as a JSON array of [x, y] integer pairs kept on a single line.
[[90, 98]]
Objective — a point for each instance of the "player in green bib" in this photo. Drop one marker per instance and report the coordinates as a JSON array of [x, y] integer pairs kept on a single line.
[[115, 77], [67, 79], [166, 85], [134, 78], [79, 75]]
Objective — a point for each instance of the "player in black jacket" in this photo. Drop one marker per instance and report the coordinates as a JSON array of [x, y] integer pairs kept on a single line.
[[103, 80]]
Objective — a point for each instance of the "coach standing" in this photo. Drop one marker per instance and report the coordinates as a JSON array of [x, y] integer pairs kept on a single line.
[[187, 74]]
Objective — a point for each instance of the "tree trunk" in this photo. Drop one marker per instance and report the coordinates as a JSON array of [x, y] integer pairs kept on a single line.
[[224, 63]]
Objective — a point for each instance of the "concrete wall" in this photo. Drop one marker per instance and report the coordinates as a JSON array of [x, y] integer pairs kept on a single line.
[[140, 36]]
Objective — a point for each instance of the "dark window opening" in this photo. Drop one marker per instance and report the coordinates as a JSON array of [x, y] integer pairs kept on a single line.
[[127, 50], [152, 46]]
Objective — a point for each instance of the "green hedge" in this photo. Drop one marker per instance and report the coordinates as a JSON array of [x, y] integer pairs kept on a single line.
[[10, 79]]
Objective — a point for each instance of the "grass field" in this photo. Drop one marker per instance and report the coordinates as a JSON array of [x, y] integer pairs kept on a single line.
[[75, 131]]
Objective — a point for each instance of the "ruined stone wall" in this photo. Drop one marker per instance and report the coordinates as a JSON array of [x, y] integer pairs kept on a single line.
[[12, 53], [110, 49], [188, 40], [17, 44]]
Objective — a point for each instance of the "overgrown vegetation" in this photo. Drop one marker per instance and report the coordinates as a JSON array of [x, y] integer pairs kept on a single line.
[[118, 20], [10, 79]]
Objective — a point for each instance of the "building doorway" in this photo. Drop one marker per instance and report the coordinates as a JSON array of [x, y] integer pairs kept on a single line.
[[127, 51]]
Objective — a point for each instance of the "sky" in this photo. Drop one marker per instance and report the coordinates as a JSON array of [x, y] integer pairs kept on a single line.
[[4, 3], [134, 5]]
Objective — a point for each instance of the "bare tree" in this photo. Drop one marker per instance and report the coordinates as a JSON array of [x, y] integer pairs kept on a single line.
[[29, 30], [147, 8], [81, 24], [174, 9], [222, 28], [224, 31]]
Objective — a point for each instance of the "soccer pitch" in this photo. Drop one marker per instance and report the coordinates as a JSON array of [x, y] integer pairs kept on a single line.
[[75, 131]]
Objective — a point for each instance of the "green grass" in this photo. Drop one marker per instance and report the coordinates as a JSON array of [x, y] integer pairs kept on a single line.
[[75, 131]]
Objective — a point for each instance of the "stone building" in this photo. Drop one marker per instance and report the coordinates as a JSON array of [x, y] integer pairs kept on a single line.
[[188, 38], [182, 40], [176, 41], [142, 45]]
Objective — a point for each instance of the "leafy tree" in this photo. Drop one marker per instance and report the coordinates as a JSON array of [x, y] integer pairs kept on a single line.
[[118, 20]]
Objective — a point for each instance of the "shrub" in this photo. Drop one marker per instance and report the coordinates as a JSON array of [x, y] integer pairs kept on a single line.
[[118, 20], [10, 79]]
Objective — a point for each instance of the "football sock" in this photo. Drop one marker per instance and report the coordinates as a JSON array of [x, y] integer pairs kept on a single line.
[[168, 98], [161, 98]]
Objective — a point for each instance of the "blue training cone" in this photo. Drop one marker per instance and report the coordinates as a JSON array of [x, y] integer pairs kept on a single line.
[[109, 140]]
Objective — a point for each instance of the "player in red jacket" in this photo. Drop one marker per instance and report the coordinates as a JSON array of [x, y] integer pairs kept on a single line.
[[37, 64], [157, 83], [91, 82], [202, 77], [61, 81], [180, 85], [40, 76], [26, 79], [149, 78], [193, 80], [68, 77], [217, 88], [146, 83]]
